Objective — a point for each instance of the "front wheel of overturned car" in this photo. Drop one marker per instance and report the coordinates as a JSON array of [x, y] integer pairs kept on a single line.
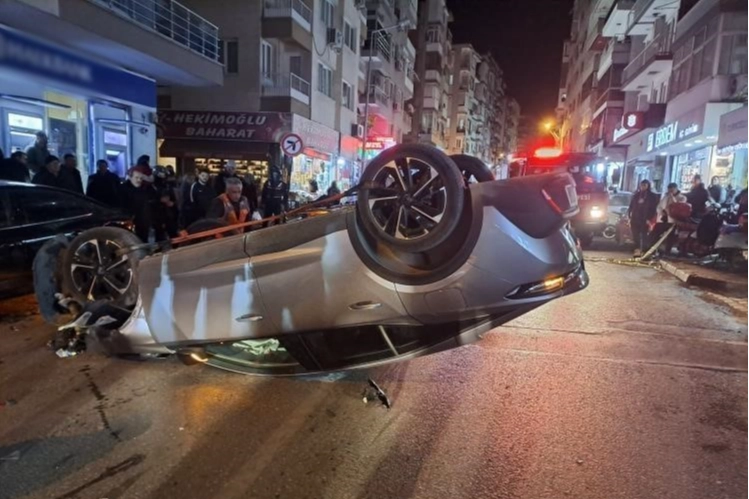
[[99, 264], [411, 198]]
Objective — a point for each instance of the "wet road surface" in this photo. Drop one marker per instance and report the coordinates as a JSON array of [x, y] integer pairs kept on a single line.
[[634, 388]]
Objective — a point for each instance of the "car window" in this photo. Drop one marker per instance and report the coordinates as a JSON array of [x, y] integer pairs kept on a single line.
[[44, 205]]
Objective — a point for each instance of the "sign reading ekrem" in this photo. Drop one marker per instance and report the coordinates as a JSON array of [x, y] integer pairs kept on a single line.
[[207, 125]]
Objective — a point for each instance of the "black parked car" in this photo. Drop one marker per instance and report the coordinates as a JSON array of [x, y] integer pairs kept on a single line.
[[30, 215]]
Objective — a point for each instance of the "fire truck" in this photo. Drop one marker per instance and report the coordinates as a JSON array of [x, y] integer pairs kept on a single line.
[[589, 174]]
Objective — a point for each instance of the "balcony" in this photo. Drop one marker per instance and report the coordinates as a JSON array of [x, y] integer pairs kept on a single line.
[[611, 97], [285, 93], [289, 20], [617, 20], [433, 75], [656, 58], [596, 41], [645, 12], [162, 40], [616, 52], [380, 51], [170, 19]]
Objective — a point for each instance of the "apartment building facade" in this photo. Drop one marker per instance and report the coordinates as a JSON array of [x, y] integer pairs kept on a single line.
[[86, 73], [387, 60], [629, 69], [291, 70], [433, 42], [685, 75]]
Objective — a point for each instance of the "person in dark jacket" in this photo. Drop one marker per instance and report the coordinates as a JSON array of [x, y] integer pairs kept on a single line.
[[165, 213], [136, 199], [70, 174], [50, 174], [249, 190], [333, 190], [698, 197], [275, 196], [717, 192], [198, 199], [104, 186], [15, 168], [642, 213], [219, 183]]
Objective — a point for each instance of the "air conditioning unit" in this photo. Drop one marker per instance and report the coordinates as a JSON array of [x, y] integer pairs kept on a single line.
[[335, 37], [737, 84], [360, 4], [357, 130], [399, 64]]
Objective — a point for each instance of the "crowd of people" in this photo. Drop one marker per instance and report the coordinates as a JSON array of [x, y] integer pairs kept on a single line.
[[650, 215], [159, 203]]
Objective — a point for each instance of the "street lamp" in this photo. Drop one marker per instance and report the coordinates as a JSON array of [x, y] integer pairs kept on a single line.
[[400, 26], [550, 127]]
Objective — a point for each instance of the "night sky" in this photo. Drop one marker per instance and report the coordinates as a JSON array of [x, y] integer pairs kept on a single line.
[[526, 38]]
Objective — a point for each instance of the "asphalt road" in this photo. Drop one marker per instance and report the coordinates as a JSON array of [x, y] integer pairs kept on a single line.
[[634, 388]]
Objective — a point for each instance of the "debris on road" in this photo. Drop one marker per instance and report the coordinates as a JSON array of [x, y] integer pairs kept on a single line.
[[374, 392]]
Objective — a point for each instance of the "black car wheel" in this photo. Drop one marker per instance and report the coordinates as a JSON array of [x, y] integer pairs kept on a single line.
[[99, 266], [472, 168], [411, 198]]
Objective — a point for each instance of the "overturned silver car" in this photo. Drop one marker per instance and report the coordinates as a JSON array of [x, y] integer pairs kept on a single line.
[[425, 261]]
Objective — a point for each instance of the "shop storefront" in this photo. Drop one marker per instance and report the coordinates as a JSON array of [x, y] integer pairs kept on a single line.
[[318, 160], [684, 147], [732, 148], [209, 139], [377, 144], [349, 168], [88, 109]]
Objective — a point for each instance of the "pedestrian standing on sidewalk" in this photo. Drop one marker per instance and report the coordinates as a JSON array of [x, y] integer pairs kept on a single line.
[[70, 173], [198, 200], [38, 153], [229, 171], [15, 168], [671, 197], [50, 174], [698, 197], [717, 192], [104, 186], [642, 213], [165, 213], [136, 197]]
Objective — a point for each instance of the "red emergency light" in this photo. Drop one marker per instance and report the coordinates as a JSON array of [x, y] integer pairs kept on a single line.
[[547, 152]]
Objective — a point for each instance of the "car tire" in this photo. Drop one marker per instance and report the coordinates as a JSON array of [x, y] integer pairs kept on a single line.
[[472, 168], [94, 270], [417, 182]]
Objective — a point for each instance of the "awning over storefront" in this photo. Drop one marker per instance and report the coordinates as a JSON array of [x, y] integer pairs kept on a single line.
[[733, 131], [316, 135], [221, 149]]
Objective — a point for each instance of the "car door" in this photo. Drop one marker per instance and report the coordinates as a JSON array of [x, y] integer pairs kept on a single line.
[[40, 213]]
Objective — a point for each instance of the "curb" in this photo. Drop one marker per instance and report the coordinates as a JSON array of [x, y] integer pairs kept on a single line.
[[692, 279]]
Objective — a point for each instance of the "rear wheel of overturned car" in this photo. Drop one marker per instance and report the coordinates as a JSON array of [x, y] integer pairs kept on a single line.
[[411, 198], [473, 169], [102, 264]]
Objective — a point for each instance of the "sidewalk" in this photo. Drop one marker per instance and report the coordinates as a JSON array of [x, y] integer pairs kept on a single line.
[[705, 277]]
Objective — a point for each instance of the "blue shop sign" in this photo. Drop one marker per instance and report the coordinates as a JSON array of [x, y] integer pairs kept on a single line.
[[29, 55]]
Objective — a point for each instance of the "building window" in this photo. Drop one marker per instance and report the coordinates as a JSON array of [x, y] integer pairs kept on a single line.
[[347, 95], [228, 54], [325, 80], [433, 35], [327, 13], [266, 59], [733, 55], [349, 37]]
